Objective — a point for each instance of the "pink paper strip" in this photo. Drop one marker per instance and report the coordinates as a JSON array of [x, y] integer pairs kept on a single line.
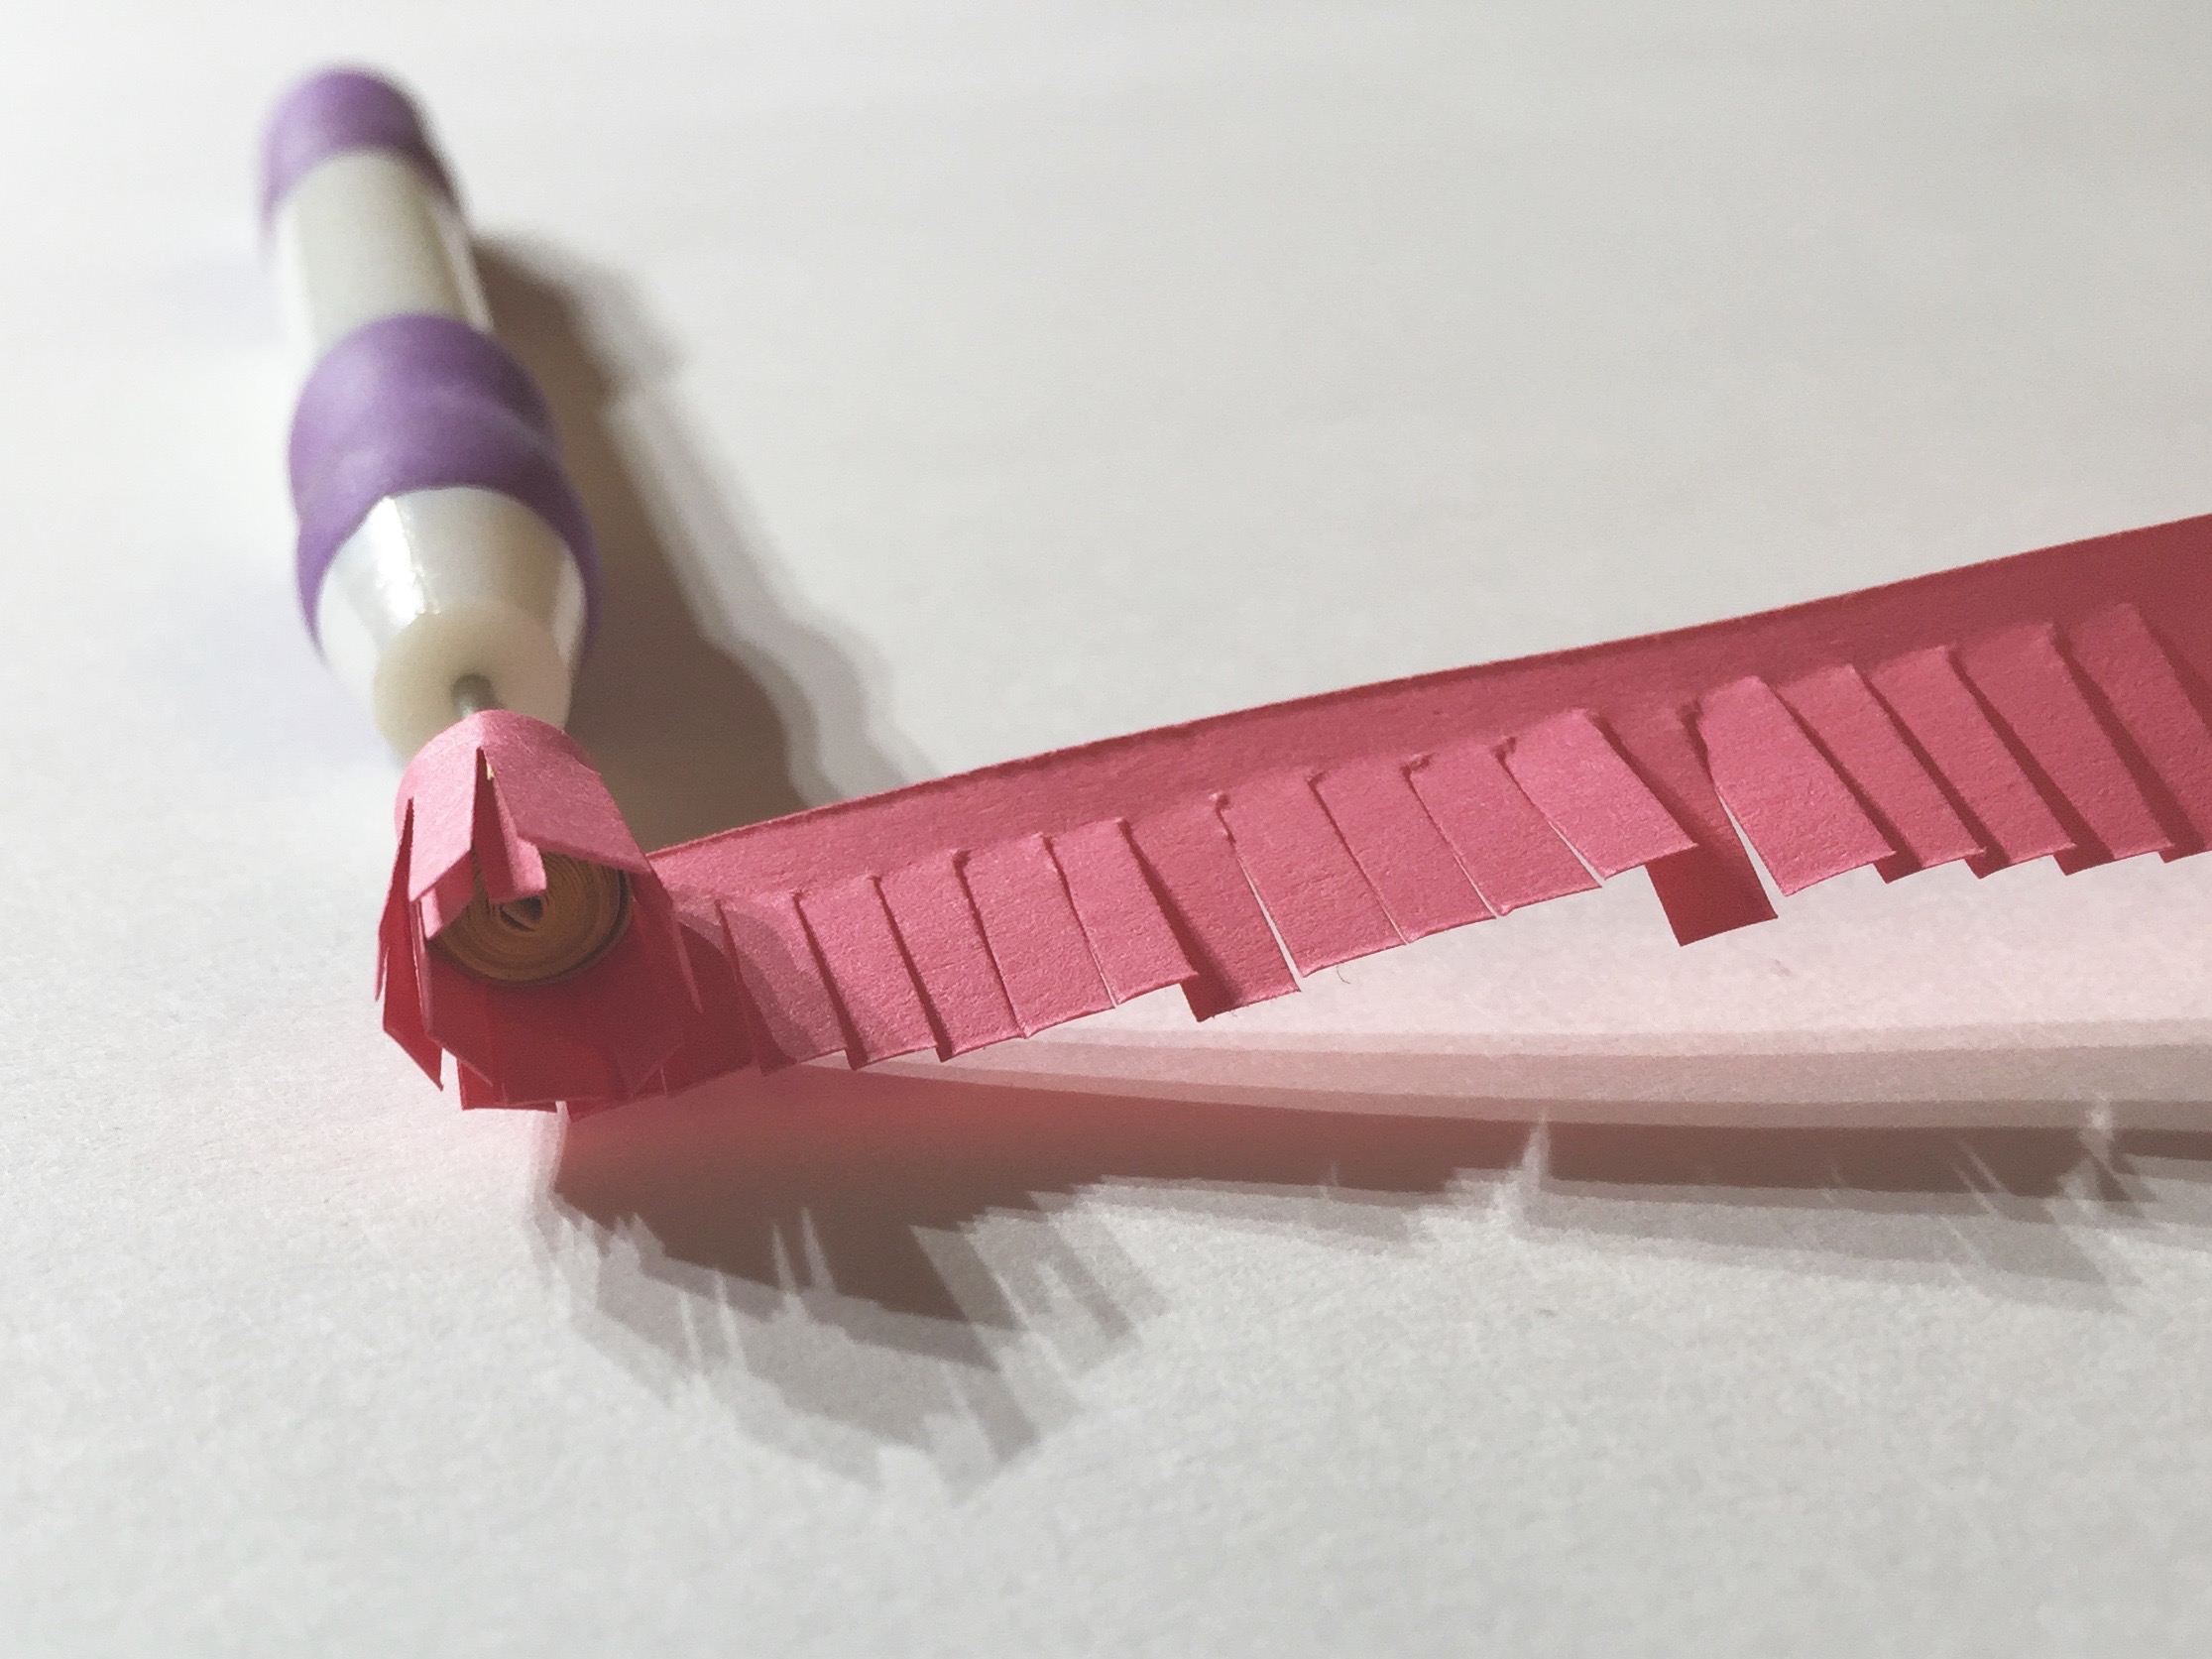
[[1131, 940], [1220, 925], [1399, 847], [944, 941], [398, 983], [475, 1088], [1044, 958], [1858, 736], [1508, 849], [2088, 695], [488, 796], [784, 993], [2123, 658], [639, 1002], [2024, 678], [714, 1039], [1578, 780], [509, 866], [564, 1051], [1803, 820], [1924, 690], [457, 1012], [1313, 889], [447, 898], [552, 795], [440, 790], [866, 971], [1711, 886]]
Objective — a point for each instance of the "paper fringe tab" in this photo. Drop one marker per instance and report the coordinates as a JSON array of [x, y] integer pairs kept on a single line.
[[2012, 820], [1399, 847], [2080, 775], [1305, 874], [1210, 902], [482, 803], [1800, 817], [2047, 705], [936, 921], [1131, 940], [2170, 747], [1858, 736], [1036, 938], [788, 1011], [1511, 853]]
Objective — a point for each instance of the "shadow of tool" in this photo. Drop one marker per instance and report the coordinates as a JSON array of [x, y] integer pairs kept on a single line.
[[706, 699], [863, 1262]]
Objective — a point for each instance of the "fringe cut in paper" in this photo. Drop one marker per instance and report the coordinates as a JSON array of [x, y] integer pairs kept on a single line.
[[2047, 705], [480, 809]]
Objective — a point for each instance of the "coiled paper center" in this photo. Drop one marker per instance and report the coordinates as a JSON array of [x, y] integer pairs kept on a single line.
[[547, 936]]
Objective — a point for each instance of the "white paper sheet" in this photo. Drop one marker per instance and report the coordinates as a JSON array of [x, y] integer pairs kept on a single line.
[[1334, 342]]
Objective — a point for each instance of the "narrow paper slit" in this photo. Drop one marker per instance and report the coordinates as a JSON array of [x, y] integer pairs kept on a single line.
[[2032, 688], [1132, 942], [505, 861], [866, 970], [1868, 751], [944, 946], [475, 1088], [1966, 754], [790, 1014], [1312, 887], [440, 789], [641, 1012], [714, 1038], [2147, 699], [400, 948], [1578, 781], [1508, 849], [1399, 847], [1799, 817], [1044, 960], [576, 1062], [447, 896], [456, 1011], [1711, 886], [1218, 922]]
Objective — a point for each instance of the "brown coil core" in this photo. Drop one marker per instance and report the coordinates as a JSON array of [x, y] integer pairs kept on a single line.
[[528, 941]]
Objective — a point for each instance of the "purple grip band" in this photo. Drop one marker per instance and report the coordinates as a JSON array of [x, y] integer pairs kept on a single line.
[[422, 403], [342, 109]]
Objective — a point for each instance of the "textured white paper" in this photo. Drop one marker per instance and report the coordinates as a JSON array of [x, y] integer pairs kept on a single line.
[[954, 381]]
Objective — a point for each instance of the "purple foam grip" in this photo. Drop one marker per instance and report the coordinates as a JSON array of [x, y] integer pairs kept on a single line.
[[342, 109], [422, 403]]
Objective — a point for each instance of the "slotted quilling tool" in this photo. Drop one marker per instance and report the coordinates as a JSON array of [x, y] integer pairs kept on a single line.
[[2049, 706]]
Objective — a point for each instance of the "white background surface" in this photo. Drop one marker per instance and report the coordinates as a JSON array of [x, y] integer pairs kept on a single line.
[[992, 375]]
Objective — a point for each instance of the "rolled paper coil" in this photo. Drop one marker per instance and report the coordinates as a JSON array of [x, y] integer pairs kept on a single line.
[[524, 933], [542, 937]]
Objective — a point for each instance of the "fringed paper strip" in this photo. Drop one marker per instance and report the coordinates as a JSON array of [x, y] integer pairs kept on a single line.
[[481, 807], [2047, 705]]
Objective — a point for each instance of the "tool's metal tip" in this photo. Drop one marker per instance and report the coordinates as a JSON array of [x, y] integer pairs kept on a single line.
[[473, 694]]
